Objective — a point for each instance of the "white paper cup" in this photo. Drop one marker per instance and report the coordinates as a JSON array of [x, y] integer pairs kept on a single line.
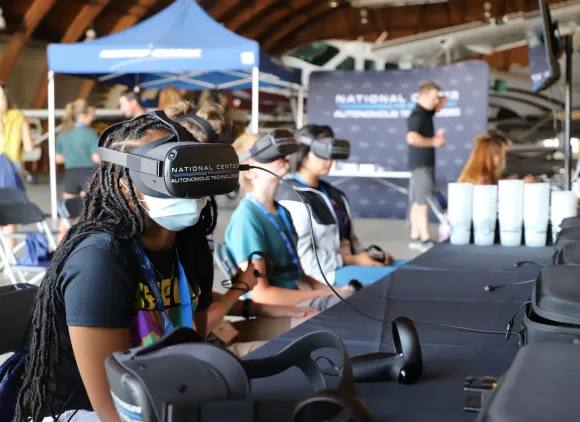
[[484, 214], [459, 211], [511, 211], [536, 213], [564, 204]]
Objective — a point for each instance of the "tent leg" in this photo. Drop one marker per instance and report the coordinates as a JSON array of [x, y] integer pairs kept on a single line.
[[52, 146], [255, 99], [300, 109]]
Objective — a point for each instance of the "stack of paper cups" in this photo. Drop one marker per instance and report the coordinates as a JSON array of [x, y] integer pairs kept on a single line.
[[564, 204], [484, 214], [459, 205], [511, 211], [536, 213]]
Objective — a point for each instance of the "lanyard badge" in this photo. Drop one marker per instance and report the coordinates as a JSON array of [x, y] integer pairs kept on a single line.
[[183, 286], [285, 236]]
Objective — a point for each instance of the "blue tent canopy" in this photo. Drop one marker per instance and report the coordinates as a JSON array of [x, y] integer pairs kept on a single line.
[[181, 46]]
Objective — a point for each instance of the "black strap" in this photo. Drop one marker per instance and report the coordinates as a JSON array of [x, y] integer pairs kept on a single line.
[[201, 122]]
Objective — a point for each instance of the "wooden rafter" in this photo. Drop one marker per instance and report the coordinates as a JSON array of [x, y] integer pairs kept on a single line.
[[282, 16], [15, 45], [250, 11], [134, 15], [295, 23], [223, 8], [75, 30]]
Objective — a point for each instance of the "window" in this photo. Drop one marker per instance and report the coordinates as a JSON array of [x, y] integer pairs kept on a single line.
[[316, 53], [370, 65], [346, 64]]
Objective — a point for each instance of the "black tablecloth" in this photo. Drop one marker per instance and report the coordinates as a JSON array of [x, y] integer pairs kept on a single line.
[[444, 285]]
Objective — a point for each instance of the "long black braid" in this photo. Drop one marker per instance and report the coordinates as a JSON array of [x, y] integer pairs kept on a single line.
[[106, 209]]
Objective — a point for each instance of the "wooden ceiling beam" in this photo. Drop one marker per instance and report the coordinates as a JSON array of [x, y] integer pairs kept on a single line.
[[33, 16], [134, 15], [75, 30], [222, 8], [300, 19], [256, 29], [250, 11]]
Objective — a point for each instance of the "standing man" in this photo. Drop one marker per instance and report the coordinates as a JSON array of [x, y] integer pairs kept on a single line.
[[423, 140], [130, 105]]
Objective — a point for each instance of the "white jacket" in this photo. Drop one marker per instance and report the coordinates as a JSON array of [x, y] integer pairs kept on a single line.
[[324, 225]]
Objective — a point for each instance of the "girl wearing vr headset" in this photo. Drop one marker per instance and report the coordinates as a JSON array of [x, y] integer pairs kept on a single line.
[[133, 267], [261, 224], [341, 255]]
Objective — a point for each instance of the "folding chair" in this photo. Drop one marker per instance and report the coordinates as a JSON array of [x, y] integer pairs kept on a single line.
[[70, 209], [23, 214], [16, 304]]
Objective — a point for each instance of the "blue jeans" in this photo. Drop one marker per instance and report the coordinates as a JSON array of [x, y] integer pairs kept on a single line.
[[366, 275]]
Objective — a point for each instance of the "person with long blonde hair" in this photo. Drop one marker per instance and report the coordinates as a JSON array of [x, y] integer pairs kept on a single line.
[[76, 148], [15, 138], [169, 96]]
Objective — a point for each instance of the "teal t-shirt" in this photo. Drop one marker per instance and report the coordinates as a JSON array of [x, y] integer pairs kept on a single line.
[[250, 231], [77, 146]]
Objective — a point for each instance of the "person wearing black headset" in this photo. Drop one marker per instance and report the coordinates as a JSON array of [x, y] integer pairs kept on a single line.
[[131, 269], [259, 223], [342, 256]]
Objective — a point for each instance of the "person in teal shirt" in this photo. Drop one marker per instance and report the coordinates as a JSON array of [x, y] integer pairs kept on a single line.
[[76, 147], [261, 224]]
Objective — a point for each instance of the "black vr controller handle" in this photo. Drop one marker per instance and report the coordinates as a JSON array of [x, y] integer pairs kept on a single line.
[[355, 285], [375, 367], [376, 253]]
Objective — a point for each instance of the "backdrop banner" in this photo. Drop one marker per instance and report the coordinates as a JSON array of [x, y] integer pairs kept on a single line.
[[370, 109]]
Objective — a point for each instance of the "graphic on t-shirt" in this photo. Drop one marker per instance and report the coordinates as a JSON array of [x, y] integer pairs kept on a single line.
[[147, 326]]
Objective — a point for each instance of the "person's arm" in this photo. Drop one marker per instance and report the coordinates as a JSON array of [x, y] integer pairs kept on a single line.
[[91, 347], [417, 140], [94, 146], [201, 323], [96, 158], [264, 292], [27, 144], [218, 309], [99, 308], [59, 158]]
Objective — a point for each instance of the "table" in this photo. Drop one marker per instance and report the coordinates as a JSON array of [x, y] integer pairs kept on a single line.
[[382, 178], [444, 285]]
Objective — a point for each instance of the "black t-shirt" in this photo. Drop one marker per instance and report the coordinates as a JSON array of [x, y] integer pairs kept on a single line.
[[421, 121], [102, 285]]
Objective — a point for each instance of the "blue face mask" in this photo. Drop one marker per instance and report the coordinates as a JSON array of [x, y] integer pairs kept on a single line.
[[174, 214]]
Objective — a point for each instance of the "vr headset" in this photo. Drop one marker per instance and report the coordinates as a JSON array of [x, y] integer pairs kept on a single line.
[[177, 165], [275, 145], [324, 146], [181, 378]]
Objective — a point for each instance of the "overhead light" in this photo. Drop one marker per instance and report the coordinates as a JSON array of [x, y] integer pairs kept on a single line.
[[364, 21], [2, 20], [364, 16], [90, 35], [333, 3]]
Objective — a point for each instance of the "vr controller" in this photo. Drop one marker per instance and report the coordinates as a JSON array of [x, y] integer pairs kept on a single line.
[[404, 366], [377, 254]]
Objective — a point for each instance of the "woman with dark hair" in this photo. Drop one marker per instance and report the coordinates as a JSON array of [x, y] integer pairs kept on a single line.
[[97, 298], [341, 254]]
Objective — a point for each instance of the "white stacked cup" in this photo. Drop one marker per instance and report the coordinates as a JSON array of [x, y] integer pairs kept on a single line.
[[536, 213], [511, 211], [564, 205], [459, 203], [484, 214]]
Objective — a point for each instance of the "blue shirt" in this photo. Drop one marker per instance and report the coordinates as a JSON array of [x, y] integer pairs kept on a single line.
[[251, 231]]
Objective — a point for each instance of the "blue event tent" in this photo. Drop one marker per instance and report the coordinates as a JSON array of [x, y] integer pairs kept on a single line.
[[180, 46]]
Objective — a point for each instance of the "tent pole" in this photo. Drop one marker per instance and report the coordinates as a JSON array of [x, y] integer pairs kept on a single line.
[[52, 145], [300, 108], [255, 99]]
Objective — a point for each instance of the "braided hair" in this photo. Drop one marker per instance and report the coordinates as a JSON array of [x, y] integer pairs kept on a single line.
[[108, 209]]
